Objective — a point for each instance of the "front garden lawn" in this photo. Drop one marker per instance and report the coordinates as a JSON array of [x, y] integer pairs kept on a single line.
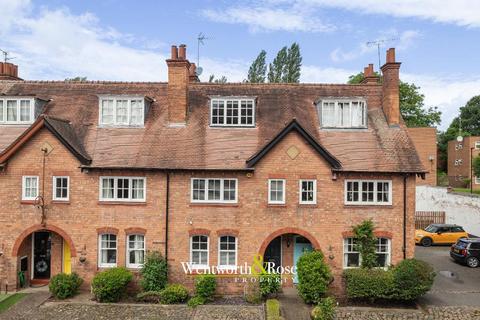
[[6, 301], [465, 190]]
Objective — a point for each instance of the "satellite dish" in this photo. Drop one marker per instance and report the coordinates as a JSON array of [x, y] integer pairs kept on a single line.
[[459, 138], [199, 71]]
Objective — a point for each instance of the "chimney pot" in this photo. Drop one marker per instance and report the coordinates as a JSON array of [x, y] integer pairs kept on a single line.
[[174, 54], [182, 52], [8, 71], [391, 55]]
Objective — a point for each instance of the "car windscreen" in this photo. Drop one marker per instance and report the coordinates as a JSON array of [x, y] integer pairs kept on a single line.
[[431, 229], [461, 244]]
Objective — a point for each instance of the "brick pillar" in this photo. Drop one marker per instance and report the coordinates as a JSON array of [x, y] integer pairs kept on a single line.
[[178, 79], [369, 76], [390, 89], [8, 71]]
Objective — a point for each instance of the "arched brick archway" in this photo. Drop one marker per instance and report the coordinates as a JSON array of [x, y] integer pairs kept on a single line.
[[289, 230], [39, 227]]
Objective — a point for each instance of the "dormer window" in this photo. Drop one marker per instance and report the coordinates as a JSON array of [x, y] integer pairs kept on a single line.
[[342, 113], [232, 112], [17, 110], [122, 111]]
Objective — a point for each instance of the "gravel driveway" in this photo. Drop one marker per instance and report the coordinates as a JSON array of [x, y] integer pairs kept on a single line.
[[455, 284]]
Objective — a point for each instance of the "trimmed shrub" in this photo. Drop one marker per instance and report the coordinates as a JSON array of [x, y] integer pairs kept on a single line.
[[205, 286], [251, 292], [149, 296], [196, 301], [325, 310], [407, 281], [111, 285], [154, 272], [369, 284], [64, 285], [269, 283], [313, 276], [412, 278], [273, 309], [174, 293]]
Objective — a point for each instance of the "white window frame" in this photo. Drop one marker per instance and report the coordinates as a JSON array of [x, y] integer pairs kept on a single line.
[[115, 189], [129, 111], [227, 266], [284, 196], [107, 265], [477, 145], [128, 250], [477, 180], [222, 189], [388, 261], [200, 266], [300, 191], [239, 100], [4, 120], [24, 179], [337, 112], [375, 199], [54, 189]]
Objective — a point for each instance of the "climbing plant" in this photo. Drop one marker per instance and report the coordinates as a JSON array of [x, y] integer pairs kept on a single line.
[[366, 243]]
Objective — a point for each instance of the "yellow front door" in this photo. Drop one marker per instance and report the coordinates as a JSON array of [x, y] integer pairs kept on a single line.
[[67, 258]]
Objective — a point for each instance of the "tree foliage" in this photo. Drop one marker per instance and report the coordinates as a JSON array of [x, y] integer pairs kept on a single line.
[[476, 167], [212, 79], [258, 69], [293, 65], [277, 67], [366, 243], [412, 106], [77, 79]]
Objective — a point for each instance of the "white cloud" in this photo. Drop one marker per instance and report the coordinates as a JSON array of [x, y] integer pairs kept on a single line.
[[459, 12], [264, 18]]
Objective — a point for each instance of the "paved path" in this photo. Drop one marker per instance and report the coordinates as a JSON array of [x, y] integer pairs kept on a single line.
[[27, 308], [455, 284], [292, 306], [434, 313]]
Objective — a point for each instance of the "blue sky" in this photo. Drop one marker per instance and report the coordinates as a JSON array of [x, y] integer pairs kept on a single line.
[[129, 40]]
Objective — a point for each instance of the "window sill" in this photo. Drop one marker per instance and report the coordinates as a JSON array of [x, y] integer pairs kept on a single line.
[[60, 201], [388, 206], [308, 205], [122, 203], [276, 205], [211, 204]]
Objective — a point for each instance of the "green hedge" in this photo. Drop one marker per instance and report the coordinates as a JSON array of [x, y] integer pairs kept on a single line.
[[408, 280], [205, 286], [174, 293], [325, 310], [64, 285], [149, 296], [196, 301], [111, 285], [269, 283], [313, 276], [154, 272]]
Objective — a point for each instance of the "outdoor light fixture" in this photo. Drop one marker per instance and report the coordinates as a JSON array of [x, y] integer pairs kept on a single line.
[[288, 242], [83, 254]]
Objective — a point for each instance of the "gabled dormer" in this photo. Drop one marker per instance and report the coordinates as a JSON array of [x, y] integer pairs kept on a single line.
[[123, 110], [19, 110]]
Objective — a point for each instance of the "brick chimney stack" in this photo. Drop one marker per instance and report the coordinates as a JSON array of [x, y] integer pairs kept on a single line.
[[8, 71], [178, 79], [369, 76], [390, 89]]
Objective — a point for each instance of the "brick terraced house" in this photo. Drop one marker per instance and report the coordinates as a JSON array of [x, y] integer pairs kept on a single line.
[[94, 174]]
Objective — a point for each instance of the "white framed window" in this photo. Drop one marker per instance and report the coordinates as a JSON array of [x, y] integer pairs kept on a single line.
[[343, 113], [477, 180], [107, 250], [234, 112], [227, 252], [214, 190], [61, 186], [199, 251], [123, 189], [121, 111], [368, 192], [276, 191], [477, 144], [353, 259], [29, 187], [135, 250], [308, 191], [458, 162], [17, 111]]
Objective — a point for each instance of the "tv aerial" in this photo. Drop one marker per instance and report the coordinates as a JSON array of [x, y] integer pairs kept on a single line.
[[379, 43], [6, 58], [200, 41]]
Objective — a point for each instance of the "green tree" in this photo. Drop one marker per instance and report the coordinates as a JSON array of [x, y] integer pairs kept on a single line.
[[366, 243], [412, 106], [277, 67], [293, 65], [212, 79], [476, 167], [258, 69], [77, 79]]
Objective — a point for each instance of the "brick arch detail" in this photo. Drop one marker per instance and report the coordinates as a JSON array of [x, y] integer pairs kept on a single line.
[[39, 227], [109, 230], [378, 234], [199, 232], [289, 230], [135, 230], [227, 232]]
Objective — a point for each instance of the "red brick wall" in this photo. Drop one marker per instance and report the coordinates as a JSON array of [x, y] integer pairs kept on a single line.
[[425, 141]]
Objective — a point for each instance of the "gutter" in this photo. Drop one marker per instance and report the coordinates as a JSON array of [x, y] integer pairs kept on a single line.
[[167, 207], [404, 217]]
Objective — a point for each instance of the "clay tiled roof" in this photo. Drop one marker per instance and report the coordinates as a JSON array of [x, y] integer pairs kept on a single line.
[[379, 148]]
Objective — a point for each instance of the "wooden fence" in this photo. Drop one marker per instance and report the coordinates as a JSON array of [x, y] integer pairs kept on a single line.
[[425, 218]]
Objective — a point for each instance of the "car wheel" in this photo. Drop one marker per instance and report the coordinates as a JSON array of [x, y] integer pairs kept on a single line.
[[426, 242], [473, 262]]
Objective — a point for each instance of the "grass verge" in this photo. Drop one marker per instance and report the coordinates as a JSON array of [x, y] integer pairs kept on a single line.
[[273, 309], [11, 300], [465, 190]]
